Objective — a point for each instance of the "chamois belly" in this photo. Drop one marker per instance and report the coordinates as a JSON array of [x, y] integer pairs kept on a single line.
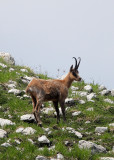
[[51, 96]]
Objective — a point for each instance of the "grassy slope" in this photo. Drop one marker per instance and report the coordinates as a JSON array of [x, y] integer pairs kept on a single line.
[[11, 105]]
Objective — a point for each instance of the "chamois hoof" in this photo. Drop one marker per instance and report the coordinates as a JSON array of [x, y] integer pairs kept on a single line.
[[39, 124]]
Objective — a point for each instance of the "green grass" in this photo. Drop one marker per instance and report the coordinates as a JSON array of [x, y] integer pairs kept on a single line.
[[102, 115]]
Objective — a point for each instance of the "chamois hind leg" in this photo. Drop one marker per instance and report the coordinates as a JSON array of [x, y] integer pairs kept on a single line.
[[55, 103], [34, 104], [37, 111], [62, 104]]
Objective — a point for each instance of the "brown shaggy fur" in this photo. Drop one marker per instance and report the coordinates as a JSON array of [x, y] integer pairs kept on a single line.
[[51, 90]]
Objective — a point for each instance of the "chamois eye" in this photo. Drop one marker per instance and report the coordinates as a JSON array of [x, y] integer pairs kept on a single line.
[[74, 74]]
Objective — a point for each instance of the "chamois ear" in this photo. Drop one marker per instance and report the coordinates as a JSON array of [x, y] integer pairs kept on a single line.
[[71, 68]]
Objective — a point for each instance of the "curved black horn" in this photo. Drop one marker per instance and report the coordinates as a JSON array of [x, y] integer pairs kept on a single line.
[[79, 62], [76, 63]]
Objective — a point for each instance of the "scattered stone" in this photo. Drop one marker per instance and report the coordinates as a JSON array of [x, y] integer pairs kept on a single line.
[[6, 145], [87, 122], [74, 88], [82, 102], [15, 92], [90, 145], [12, 82], [23, 70], [71, 130], [4, 122], [25, 96], [69, 101], [90, 96], [27, 117], [109, 101], [101, 129], [48, 110], [105, 92], [112, 92], [43, 140], [102, 87], [88, 88], [3, 133], [17, 141], [11, 69], [41, 158], [76, 113], [113, 149], [60, 156], [8, 58], [51, 148], [82, 94], [3, 65], [111, 124], [28, 131], [12, 86], [19, 130], [90, 109], [31, 141], [26, 79], [106, 158]]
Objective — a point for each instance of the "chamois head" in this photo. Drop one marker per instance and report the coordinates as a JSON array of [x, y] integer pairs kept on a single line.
[[74, 74]]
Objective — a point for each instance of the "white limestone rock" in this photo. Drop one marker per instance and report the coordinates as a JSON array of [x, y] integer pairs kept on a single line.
[[101, 129], [111, 124], [28, 131], [72, 130], [23, 70], [69, 101], [90, 96], [48, 110], [8, 58], [82, 102], [20, 130], [102, 87], [90, 145], [87, 122], [90, 109], [27, 117], [3, 65], [41, 158], [43, 140], [88, 88], [3, 133], [15, 91], [11, 69], [112, 92], [26, 79], [108, 101], [6, 145], [106, 158], [105, 92], [4, 122], [60, 156], [76, 113], [74, 88], [83, 94]]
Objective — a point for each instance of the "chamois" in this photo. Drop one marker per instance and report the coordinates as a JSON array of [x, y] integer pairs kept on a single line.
[[54, 90]]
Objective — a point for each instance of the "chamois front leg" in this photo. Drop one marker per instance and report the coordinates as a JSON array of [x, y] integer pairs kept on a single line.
[[55, 103], [62, 104]]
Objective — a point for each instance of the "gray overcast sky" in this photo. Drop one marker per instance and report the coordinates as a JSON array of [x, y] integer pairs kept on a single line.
[[50, 32]]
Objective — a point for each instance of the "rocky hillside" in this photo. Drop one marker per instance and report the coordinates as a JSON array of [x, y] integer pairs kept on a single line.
[[87, 134]]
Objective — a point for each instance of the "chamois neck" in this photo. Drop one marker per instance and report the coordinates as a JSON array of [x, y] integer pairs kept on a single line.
[[68, 81]]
